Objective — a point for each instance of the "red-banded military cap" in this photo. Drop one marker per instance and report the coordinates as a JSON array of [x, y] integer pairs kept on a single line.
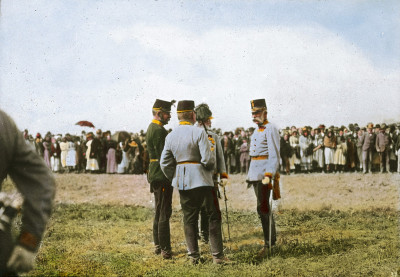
[[161, 105], [185, 106], [258, 104]]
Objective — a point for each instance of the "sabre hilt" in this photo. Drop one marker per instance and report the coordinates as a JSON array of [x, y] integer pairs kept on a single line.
[[9, 208]]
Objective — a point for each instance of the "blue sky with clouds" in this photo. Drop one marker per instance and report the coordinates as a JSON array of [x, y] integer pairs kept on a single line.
[[332, 62]]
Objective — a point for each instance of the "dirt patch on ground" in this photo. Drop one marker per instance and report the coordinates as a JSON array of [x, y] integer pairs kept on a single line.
[[346, 191]]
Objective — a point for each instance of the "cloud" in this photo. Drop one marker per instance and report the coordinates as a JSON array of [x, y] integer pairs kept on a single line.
[[306, 73], [111, 76]]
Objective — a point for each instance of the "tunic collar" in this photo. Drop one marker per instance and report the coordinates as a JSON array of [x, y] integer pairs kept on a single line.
[[185, 123], [157, 122], [262, 127]]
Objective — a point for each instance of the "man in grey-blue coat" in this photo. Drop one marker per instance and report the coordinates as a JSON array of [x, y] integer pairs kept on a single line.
[[264, 167], [188, 161]]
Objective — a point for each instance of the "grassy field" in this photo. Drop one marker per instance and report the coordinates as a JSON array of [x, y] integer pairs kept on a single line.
[[91, 240], [345, 225]]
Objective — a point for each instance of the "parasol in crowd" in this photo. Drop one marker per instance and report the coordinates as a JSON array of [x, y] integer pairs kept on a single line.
[[120, 136], [85, 123]]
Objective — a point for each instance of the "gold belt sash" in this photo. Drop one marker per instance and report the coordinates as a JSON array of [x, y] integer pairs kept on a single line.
[[264, 157], [153, 160], [189, 162]]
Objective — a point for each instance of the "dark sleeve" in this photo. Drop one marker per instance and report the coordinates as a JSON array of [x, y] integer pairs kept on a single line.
[[32, 178]]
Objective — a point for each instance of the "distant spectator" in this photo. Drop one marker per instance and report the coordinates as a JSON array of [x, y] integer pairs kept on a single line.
[[64, 152], [111, 158], [47, 151], [368, 143], [330, 146], [306, 151], [55, 155], [382, 145], [285, 152], [295, 159], [340, 153], [244, 157], [71, 153], [318, 155], [92, 164]]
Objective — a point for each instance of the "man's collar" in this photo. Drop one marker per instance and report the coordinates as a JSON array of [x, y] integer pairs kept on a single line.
[[158, 122]]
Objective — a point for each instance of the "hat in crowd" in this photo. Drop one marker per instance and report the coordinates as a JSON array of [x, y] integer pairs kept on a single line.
[[357, 128], [321, 126], [378, 126], [89, 135], [203, 112], [185, 106], [99, 132], [383, 126], [370, 125], [161, 105], [258, 104]]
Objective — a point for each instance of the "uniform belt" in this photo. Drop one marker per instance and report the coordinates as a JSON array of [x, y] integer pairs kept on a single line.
[[264, 157], [153, 160], [189, 162]]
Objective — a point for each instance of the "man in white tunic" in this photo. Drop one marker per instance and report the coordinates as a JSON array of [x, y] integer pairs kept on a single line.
[[264, 166], [188, 161]]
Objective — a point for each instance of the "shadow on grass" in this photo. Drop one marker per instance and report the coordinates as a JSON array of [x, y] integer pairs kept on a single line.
[[294, 248]]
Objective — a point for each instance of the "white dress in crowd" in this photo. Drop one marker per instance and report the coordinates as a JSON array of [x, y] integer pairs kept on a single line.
[[294, 143], [64, 151], [318, 155], [340, 153], [55, 161], [71, 154], [91, 163], [124, 163], [305, 159]]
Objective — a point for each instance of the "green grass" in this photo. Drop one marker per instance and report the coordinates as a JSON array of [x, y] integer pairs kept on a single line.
[[90, 240]]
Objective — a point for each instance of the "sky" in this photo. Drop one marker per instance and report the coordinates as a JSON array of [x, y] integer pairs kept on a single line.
[[331, 62]]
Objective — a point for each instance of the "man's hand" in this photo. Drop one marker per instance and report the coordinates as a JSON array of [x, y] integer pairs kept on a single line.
[[224, 179], [267, 178], [21, 260], [224, 182]]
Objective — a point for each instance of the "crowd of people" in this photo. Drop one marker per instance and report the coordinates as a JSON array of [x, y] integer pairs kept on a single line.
[[373, 148]]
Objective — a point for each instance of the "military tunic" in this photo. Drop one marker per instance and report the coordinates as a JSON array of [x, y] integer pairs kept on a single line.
[[187, 158]]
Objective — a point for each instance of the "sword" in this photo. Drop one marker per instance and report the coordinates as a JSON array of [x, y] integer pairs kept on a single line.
[[270, 224], [226, 214]]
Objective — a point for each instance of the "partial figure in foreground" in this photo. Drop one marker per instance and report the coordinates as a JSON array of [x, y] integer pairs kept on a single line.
[[35, 182], [263, 171]]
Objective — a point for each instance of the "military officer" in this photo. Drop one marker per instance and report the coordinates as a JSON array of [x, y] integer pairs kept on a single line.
[[36, 184], [188, 161], [264, 166], [203, 117], [159, 184]]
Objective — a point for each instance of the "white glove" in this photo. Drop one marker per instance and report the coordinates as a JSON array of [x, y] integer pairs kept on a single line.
[[266, 180], [224, 182], [21, 260]]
